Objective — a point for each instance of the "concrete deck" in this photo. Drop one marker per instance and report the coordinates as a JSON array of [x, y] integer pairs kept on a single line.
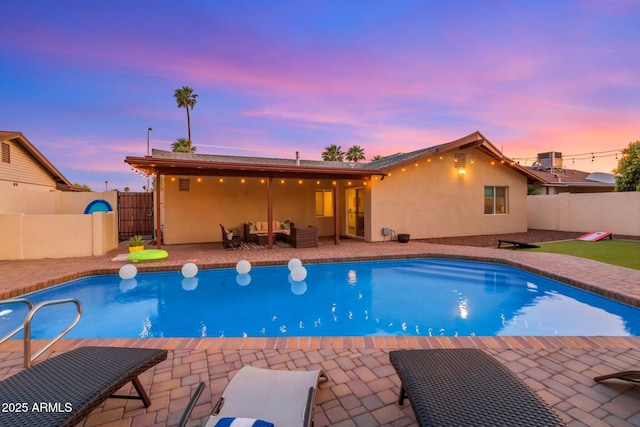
[[363, 387]]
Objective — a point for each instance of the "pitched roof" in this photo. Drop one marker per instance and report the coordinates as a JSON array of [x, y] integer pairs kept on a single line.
[[166, 162], [561, 177], [18, 138]]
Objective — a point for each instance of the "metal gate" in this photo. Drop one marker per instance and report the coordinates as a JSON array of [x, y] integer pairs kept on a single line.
[[135, 213]]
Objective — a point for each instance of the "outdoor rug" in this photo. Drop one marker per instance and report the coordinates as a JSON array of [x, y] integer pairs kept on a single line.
[[252, 245]]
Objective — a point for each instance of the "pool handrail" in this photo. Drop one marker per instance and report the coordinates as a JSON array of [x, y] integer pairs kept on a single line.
[[28, 358], [20, 327]]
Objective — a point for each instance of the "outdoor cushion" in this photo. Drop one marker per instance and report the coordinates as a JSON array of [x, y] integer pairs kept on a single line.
[[284, 398], [242, 422]]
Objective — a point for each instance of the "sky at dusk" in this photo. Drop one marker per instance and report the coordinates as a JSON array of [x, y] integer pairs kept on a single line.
[[83, 81]]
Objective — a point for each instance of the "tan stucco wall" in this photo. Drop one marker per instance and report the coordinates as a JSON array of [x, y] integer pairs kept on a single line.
[[52, 224], [618, 212], [36, 202], [194, 216], [433, 200], [57, 236]]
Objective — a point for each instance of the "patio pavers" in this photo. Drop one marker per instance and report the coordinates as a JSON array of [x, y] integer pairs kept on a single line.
[[363, 387]]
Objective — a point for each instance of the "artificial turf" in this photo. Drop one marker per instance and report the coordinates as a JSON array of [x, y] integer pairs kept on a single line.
[[625, 253]]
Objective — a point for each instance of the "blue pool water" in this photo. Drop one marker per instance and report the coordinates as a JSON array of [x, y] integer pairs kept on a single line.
[[399, 297]]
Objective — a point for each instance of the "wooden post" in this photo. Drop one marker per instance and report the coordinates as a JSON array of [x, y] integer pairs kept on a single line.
[[158, 221], [336, 220], [270, 213]]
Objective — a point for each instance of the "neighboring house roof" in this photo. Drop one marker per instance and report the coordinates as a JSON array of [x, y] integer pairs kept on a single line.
[[166, 162], [561, 177], [18, 138]]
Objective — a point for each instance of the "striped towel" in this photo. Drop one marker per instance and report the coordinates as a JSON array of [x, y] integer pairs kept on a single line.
[[242, 422]]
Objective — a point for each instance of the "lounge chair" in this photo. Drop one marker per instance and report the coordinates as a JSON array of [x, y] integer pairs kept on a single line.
[[230, 239], [283, 398], [631, 376], [63, 390], [466, 387]]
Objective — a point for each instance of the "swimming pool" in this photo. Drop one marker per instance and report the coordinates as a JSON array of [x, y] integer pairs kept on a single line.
[[396, 297]]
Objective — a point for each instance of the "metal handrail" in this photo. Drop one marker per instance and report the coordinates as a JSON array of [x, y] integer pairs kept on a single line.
[[19, 328], [28, 359]]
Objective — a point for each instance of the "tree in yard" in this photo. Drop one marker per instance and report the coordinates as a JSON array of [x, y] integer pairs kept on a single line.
[[355, 154], [182, 145], [333, 153], [628, 170], [186, 99]]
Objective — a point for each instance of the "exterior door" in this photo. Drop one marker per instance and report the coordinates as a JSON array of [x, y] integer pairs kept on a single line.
[[355, 212]]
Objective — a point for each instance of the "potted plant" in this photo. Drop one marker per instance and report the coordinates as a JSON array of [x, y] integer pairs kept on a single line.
[[136, 243]]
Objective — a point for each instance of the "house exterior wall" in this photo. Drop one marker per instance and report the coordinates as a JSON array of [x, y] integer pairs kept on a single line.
[[428, 200], [617, 212], [431, 199], [23, 171], [194, 216]]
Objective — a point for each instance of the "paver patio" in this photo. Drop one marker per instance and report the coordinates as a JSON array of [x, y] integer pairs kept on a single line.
[[363, 387]]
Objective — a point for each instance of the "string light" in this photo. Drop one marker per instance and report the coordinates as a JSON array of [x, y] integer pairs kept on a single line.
[[580, 156]]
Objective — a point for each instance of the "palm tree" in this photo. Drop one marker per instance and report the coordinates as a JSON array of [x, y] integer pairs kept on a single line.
[[333, 153], [185, 99], [182, 145], [355, 154], [376, 157]]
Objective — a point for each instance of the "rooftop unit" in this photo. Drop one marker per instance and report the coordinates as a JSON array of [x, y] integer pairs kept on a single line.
[[549, 160]]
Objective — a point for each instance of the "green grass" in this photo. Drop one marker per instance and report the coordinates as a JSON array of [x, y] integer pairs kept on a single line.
[[624, 253]]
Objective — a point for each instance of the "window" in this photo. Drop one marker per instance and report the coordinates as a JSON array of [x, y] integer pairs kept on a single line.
[[6, 154], [324, 202], [495, 200]]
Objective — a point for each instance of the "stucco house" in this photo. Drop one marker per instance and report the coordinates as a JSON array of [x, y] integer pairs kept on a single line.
[[463, 187]]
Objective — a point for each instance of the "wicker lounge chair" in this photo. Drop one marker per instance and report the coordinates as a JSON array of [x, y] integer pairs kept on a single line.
[[466, 387], [235, 241], [631, 376], [284, 398], [63, 390]]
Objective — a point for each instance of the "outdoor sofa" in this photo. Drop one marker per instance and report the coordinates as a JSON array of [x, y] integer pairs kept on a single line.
[[280, 229]]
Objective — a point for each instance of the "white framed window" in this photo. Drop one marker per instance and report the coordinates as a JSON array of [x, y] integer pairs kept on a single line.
[[496, 200], [324, 202]]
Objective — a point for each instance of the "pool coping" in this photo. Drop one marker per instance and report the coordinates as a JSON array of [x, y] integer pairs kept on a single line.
[[613, 294]]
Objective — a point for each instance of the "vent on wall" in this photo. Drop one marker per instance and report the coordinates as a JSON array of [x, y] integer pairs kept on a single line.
[[460, 160], [184, 184], [6, 154]]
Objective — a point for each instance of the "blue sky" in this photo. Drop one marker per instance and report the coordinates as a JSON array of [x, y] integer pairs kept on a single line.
[[83, 81]]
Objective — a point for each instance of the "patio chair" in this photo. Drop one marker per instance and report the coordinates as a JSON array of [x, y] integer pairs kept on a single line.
[[282, 398], [235, 241], [63, 390], [631, 376], [466, 387]]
